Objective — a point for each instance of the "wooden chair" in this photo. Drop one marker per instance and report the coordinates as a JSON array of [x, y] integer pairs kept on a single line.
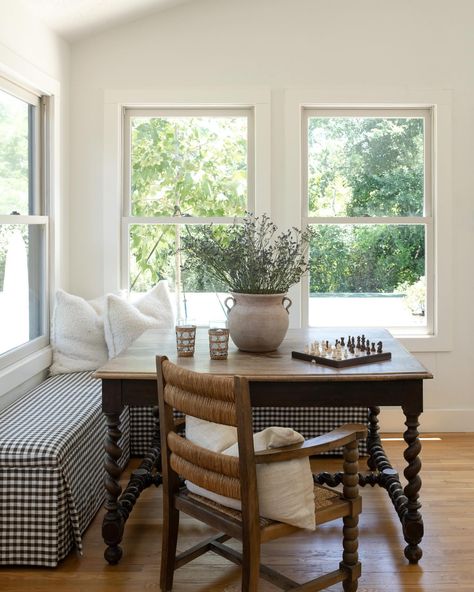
[[226, 400]]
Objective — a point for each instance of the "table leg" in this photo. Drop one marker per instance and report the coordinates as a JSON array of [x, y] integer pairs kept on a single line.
[[112, 526], [412, 521], [373, 437]]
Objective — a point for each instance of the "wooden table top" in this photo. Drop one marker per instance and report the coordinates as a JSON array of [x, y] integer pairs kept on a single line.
[[138, 361]]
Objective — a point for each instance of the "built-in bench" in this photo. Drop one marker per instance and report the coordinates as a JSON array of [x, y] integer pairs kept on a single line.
[[51, 468], [52, 457]]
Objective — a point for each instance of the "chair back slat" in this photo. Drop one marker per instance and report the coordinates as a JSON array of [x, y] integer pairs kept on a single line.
[[199, 405], [207, 459], [215, 482], [220, 388]]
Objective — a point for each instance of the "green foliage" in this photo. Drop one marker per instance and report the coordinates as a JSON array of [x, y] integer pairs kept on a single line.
[[365, 167], [358, 166], [365, 258], [13, 155], [249, 257]]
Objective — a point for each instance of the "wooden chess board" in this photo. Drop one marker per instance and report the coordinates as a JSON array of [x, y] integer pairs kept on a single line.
[[363, 358]]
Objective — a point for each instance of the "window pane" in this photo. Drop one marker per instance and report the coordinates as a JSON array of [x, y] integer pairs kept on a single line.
[[14, 155], [193, 165], [367, 275], [365, 166], [22, 252], [155, 255]]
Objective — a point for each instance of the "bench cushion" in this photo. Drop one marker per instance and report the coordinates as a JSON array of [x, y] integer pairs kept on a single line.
[[51, 468]]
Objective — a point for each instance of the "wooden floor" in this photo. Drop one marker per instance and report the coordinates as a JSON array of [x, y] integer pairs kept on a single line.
[[446, 566]]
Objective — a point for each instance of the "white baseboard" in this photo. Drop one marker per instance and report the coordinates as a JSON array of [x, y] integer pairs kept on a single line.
[[431, 420]]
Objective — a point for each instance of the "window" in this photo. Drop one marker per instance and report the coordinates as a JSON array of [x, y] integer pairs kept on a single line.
[[182, 167], [23, 223], [368, 197]]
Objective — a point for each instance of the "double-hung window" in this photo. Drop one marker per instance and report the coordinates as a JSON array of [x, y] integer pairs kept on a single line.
[[368, 197], [182, 167], [23, 223]]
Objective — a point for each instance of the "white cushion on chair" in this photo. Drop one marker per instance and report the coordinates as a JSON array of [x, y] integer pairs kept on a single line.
[[213, 436], [285, 489]]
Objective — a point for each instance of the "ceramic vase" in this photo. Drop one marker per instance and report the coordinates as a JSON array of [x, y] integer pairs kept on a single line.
[[258, 322]]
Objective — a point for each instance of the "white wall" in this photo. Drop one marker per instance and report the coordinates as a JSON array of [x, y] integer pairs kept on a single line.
[[286, 44], [33, 55]]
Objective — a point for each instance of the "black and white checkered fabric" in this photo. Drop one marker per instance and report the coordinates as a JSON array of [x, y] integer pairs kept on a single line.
[[309, 421], [51, 468]]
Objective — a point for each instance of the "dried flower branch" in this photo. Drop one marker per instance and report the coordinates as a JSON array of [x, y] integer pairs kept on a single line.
[[248, 257]]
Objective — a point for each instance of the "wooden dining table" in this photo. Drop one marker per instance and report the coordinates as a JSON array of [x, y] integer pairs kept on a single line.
[[277, 379]]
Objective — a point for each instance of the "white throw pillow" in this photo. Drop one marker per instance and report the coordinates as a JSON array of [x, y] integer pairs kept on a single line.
[[125, 321], [213, 436], [285, 489], [77, 334]]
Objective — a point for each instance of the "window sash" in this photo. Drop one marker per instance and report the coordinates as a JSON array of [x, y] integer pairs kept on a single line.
[[426, 220], [128, 219], [38, 147]]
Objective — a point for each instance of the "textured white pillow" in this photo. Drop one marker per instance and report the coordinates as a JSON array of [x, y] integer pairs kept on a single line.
[[285, 489], [213, 436], [77, 334], [125, 321]]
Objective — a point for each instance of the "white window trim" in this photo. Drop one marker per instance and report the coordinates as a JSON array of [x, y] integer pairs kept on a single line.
[[440, 103], [116, 101]]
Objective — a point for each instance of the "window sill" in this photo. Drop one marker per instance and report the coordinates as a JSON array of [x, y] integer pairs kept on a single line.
[[17, 375]]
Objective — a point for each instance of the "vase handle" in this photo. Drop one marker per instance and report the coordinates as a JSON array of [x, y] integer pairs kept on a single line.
[[229, 308], [287, 307]]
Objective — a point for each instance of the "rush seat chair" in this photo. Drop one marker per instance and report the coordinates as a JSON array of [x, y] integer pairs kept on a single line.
[[227, 400]]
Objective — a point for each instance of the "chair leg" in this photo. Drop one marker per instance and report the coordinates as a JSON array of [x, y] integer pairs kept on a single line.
[[168, 548], [350, 555], [250, 566], [350, 543]]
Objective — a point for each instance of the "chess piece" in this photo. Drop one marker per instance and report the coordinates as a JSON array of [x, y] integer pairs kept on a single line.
[[372, 349], [379, 347]]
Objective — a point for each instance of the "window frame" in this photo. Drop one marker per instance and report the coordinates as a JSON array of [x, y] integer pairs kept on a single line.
[[426, 220], [440, 102], [39, 173]]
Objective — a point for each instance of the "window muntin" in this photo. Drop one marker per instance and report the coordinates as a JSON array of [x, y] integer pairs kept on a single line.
[[368, 197], [182, 166], [23, 225]]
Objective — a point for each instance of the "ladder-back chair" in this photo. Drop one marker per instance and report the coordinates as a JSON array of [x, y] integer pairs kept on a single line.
[[226, 400]]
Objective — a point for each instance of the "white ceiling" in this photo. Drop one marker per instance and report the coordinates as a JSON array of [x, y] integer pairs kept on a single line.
[[74, 19]]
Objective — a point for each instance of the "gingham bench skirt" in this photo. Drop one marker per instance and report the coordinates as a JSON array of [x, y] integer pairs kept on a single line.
[[309, 421], [51, 469]]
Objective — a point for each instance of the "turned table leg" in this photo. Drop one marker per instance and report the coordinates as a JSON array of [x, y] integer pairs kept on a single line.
[[112, 526], [412, 520], [373, 438]]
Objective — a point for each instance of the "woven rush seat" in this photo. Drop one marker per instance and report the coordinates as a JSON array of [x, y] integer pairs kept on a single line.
[[323, 498], [51, 468]]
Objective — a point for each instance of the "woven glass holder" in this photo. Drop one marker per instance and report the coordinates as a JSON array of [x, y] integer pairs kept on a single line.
[[185, 340], [218, 343]]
